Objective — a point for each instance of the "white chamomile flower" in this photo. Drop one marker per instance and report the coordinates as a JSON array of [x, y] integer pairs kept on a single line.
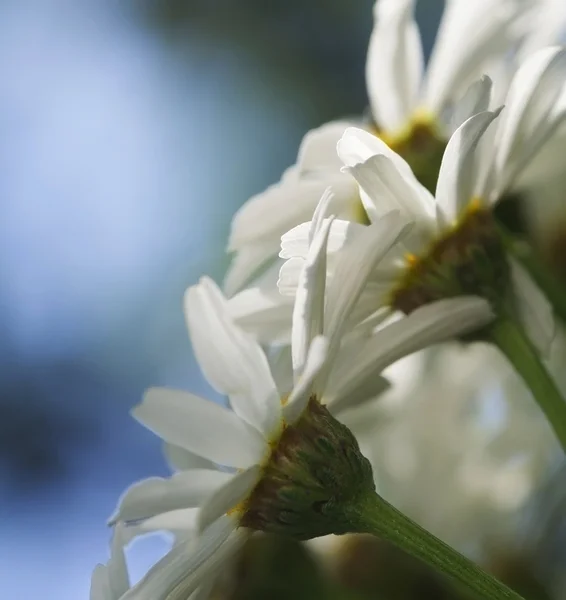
[[406, 100], [454, 247], [412, 111], [275, 462], [111, 581]]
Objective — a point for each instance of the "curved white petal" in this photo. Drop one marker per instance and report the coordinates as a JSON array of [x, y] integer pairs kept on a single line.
[[296, 243], [385, 188], [247, 263], [456, 179], [187, 565], [428, 325], [156, 495], [180, 459], [308, 312], [281, 361], [528, 119], [394, 64], [357, 145], [231, 360], [318, 148], [534, 309], [321, 212], [200, 426], [264, 313], [228, 496], [371, 389], [204, 590], [470, 37], [305, 386], [268, 215], [289, 276], [182, 520], [475, 100], [111, 581], [353, 269]]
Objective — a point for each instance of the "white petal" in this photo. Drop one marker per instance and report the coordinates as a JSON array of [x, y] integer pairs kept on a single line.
[[357, 145], [385, 188], [117, 568], [353, 270], [456, 180], [200, 426], [281, 363], [99, 584], [214, 568], [232, 361], [263, 312], [470, 37], [394, 63], [372, 388], [183, 520], [305, 387], [534, 309], [289, 276], [321, 212], [186, 565], [308, 313], [296, 243], [318, 148], [180, 459], [524, 125], [227, 497], [247, 262], [158, 495], [111, 581], [265, 217], [475, 100], [204, 591], [428, 325]]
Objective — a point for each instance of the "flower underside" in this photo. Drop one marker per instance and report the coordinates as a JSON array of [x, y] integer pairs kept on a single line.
[[315, 469], [422, 146], [468, 259]]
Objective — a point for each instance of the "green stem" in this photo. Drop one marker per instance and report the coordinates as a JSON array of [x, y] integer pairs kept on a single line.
[[509, 337], [374, 515], [552, 287]]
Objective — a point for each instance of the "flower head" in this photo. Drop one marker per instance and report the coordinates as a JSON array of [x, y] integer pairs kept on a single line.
[[277, 461], [454, 248]]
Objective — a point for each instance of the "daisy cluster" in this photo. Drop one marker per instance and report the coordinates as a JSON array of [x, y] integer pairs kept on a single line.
[[382, 240]]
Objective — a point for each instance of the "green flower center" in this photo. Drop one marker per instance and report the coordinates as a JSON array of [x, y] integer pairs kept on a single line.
[[467, 259], [314, 470]]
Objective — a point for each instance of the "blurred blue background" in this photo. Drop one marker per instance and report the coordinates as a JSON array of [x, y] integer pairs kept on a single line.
[[131, 132]]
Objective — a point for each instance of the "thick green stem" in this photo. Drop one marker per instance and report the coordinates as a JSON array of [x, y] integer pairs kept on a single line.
[[550, 285], [372, 514], [509, 337]]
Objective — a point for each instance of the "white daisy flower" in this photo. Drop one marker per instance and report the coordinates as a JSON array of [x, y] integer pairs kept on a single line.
[[454, 247], [111, 581], [412, 112], [279, 463], [471, 39]]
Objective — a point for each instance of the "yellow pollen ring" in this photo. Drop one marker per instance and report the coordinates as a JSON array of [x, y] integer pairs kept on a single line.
[[411, 259], [420, 119], [475, 204]]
